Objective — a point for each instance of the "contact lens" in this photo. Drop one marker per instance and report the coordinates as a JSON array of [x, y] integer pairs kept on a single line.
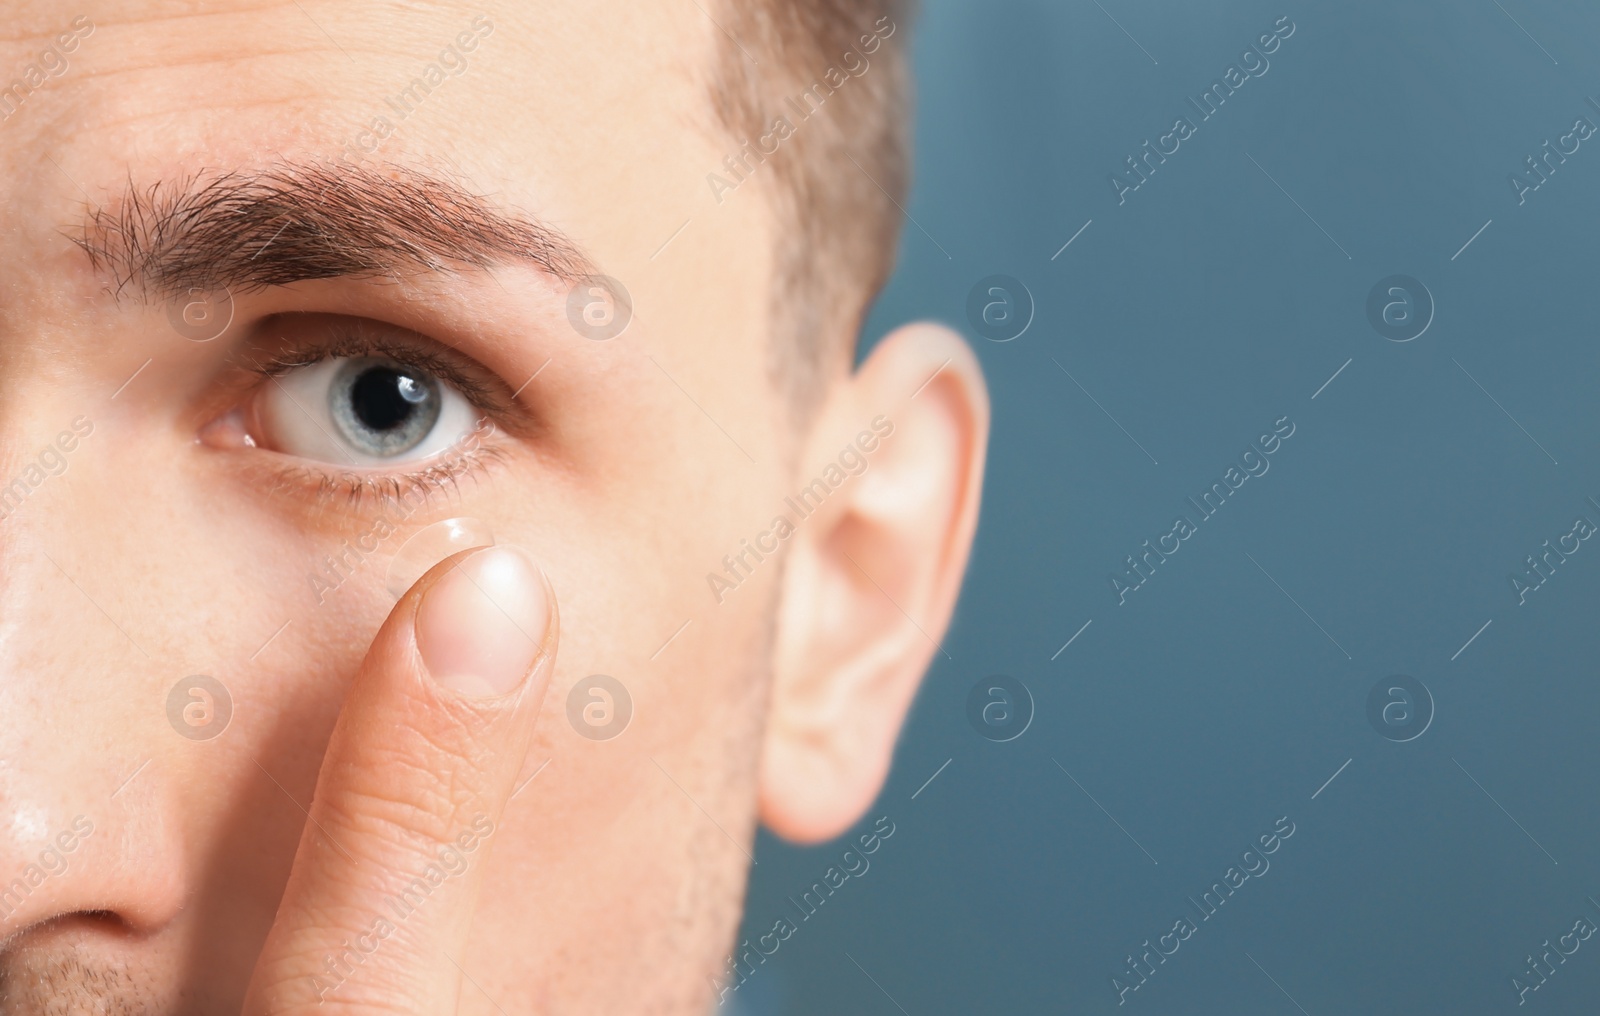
[[432, 544]]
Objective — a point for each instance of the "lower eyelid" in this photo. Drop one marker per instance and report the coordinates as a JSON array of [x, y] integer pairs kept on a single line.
[[402, 492]]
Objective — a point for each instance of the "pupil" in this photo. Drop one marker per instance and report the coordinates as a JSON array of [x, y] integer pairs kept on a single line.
[[383, 398]]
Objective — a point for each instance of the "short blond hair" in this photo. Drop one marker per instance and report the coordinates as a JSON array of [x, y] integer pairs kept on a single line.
[[834, 71]]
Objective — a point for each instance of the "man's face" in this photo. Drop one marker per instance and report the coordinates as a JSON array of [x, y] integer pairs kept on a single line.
[[163, 545], [300, 301]]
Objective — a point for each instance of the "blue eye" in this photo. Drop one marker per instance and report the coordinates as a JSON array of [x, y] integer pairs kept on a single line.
[[363, 410]]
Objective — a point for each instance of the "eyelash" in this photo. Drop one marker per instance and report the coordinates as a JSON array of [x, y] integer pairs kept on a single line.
[[399, 491], [356, 491], [349, 340]]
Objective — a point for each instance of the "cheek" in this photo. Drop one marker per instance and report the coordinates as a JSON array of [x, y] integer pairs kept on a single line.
[[634, 606], [165, 570], [658, 876]]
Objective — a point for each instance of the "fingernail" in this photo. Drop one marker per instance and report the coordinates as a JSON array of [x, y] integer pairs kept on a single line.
[[481, 625]]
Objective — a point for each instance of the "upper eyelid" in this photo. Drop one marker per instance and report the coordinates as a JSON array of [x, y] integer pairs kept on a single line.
[[348, 338]]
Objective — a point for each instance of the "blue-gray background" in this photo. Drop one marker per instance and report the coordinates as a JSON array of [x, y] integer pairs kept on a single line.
[[1211, 303]]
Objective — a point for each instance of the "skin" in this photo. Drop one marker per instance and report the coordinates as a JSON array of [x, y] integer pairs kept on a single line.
[[626, 468]]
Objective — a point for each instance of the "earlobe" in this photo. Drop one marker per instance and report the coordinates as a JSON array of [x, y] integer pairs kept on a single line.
[[872, 574]]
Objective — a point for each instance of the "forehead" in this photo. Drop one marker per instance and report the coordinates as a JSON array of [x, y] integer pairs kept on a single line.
[[592, 116], [505, 75]]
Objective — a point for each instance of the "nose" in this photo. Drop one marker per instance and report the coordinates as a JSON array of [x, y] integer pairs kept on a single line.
[[84, 824], [75, 840]]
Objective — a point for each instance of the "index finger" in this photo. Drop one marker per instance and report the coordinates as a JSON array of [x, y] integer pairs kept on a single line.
[[422, 760]]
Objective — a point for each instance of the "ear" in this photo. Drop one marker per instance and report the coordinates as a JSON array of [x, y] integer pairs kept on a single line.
[[890, 479]]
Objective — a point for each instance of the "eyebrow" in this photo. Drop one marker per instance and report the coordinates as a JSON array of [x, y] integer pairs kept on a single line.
[[295, 222]]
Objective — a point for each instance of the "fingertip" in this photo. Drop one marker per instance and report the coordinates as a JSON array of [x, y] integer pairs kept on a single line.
[[485, 621]]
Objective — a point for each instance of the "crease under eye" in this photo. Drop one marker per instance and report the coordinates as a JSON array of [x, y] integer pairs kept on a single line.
[[416, 488], [320, 487]]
